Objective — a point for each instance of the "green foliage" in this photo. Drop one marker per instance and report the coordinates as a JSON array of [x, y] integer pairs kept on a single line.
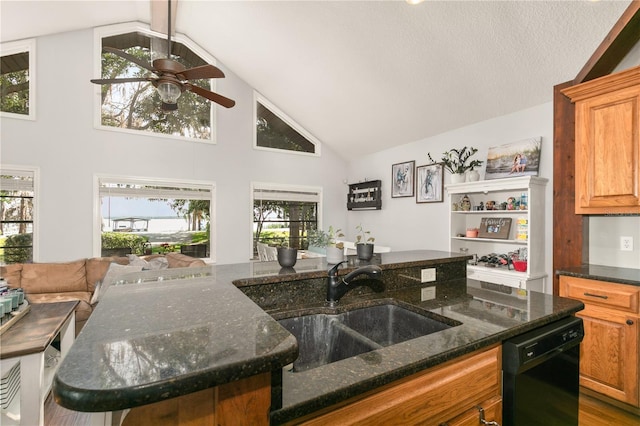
[[320, 238], [455, 160], [23, 250], [137, 105], [124, 239], [14, 87]]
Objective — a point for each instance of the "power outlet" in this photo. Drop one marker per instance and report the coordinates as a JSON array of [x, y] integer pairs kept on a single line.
[[626, 243], [428, 275], [427, 293]]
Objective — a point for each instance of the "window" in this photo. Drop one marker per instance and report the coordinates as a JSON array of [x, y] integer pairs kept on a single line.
[[149, 216], [136, 106], [276, 131], [17, 79], [17, 214], [284, 214]]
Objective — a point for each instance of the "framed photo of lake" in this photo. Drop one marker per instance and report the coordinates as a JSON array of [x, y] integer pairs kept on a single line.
[[521, 158], [402, 175], [495, 227]]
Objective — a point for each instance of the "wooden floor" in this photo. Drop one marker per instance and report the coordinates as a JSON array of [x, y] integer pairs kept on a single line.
[[593, 412]]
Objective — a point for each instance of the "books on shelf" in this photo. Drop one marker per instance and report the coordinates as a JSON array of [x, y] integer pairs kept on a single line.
[[522, 229]]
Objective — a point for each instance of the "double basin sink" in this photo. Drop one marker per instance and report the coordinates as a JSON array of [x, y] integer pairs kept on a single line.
[[326, 338]]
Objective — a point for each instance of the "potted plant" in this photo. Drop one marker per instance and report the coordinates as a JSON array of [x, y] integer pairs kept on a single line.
[[364, 243], [287, 256], [327, 241], [455, 160]]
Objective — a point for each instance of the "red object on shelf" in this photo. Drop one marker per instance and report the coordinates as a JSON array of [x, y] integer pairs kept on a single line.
[[520, 265]]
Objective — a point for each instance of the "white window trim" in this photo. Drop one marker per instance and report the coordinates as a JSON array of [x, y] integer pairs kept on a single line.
[[211, 186], [257, 97], [11, 48], [281, 187], [35, 171], [111, 30]]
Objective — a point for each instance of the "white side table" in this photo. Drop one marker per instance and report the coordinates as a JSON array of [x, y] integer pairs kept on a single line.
[[27, 342]]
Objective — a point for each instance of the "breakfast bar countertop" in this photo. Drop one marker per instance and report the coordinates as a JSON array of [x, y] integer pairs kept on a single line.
[[603, 273], [160, 335]]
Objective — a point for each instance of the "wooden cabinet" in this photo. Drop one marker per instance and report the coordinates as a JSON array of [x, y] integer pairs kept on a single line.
[[609, 351], [444, 394], [491, 412], [607, 155], [526, 233]]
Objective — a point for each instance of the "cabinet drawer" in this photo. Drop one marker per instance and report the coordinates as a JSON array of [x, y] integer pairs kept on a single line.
[[618, 296]]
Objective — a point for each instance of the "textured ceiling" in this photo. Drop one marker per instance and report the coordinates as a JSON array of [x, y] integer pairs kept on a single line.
[[363, 76]]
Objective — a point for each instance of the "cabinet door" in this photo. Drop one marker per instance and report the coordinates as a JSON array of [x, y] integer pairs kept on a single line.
[[607, 152], [609, 354]]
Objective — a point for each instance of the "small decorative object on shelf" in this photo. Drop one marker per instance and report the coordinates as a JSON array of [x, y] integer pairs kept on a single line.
[[495, 227], [465, 203], [365, 195]]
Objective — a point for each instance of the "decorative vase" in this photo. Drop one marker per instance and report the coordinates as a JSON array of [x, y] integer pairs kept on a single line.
[[364, 251], [457, 178], [473, 176], [334, 255], [287, 256]]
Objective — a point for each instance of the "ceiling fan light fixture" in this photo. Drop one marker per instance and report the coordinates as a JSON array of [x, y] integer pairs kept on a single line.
[[169, 92]]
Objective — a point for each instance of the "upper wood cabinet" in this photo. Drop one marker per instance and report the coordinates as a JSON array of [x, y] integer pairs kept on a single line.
[[607, 158]]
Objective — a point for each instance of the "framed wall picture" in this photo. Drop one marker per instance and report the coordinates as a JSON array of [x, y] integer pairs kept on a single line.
[[495, 227], [429, 183], [521, 158], [402, 179]]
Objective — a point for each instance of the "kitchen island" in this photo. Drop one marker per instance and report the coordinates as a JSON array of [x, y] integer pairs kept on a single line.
[[161, 335]]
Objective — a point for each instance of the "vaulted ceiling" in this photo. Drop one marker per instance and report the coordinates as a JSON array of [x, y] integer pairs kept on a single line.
[[363, 76]]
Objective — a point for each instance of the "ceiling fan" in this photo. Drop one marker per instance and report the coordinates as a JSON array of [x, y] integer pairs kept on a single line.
[[169, 77]]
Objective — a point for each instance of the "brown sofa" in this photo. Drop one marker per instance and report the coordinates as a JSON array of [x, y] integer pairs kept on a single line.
[[59, 282]]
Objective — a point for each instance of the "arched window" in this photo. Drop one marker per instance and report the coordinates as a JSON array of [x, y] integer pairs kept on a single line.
[[136, 106]]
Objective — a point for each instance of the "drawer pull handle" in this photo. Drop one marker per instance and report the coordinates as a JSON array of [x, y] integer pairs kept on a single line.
[[601, 296], [482, 420], [629, 322]]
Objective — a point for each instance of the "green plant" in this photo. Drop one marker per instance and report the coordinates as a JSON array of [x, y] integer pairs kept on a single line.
[[362, 236], [455, 160], [18, 248], [320, 238], [124, 239]]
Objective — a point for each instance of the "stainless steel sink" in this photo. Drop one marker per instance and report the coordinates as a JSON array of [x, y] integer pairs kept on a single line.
[[323, 338]]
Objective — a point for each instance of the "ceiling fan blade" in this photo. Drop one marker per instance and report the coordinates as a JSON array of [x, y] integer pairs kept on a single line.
[[120, 80], [219, 99], [204, 71], [128, 57]]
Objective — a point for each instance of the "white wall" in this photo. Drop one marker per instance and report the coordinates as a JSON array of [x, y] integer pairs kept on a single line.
[[405, 225], [69, 151]]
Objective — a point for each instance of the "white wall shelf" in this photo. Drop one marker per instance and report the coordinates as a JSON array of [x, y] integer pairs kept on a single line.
[[499, 190]]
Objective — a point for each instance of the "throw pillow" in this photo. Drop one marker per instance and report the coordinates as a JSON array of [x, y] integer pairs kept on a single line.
[[96, 293], [115, 270], [136, 261], [158, 263]]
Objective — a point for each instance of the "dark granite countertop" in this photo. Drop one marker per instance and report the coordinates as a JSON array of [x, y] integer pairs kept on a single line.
[[603, 273], [162, 334]]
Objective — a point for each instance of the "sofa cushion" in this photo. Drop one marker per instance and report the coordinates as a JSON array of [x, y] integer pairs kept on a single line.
[[178, 260], [97, 268], [12, 274], [54, 277], [83, 310]]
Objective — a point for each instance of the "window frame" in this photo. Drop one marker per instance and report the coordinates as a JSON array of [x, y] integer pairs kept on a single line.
[[97, 218], [113, 30], [257, 97], [11, 48], [8, 169], [282, 187]]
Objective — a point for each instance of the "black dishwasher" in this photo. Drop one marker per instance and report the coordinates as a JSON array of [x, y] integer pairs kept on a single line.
[[540, 374]]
